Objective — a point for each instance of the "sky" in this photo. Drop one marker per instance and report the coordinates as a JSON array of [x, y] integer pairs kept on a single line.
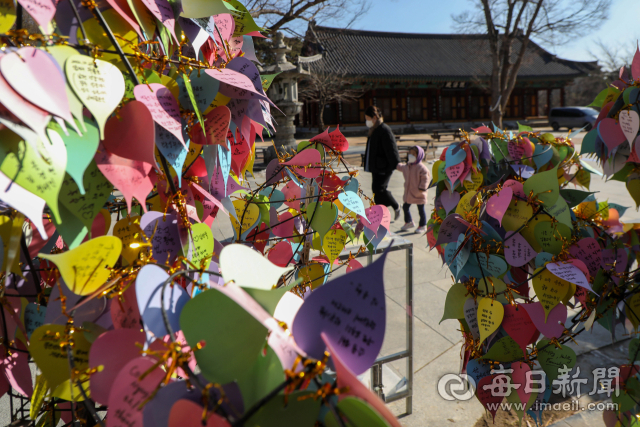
[[434, 16]]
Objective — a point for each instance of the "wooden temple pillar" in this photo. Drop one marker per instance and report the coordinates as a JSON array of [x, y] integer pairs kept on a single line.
[[548, 106]]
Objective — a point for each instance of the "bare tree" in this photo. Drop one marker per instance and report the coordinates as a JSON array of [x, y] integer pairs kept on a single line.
[[324, 88], [510, 25], [274, 14], [610, 60]]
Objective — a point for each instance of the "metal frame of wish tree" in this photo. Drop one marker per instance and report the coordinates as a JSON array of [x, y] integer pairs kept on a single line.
[[391, 244]]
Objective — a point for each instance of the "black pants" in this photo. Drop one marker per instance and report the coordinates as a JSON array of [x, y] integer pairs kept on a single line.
[[382, 196], [407, 214]]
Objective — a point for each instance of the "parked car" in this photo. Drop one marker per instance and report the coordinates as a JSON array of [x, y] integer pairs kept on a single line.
[[572, 118]]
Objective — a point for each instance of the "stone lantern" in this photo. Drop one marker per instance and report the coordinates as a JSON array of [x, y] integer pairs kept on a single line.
[[284, 93]]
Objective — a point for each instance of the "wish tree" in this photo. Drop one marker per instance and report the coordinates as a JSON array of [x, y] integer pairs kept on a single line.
[[128, 130], [613, 141], [535, 260]]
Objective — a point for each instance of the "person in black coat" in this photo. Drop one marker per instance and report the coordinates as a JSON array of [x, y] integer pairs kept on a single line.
[[381, 158]]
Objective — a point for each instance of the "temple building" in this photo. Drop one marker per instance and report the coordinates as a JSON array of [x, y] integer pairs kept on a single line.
[[431, 78]]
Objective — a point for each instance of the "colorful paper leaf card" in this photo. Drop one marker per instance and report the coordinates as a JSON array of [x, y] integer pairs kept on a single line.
[[263, 274], [350, 310], [86, 268]]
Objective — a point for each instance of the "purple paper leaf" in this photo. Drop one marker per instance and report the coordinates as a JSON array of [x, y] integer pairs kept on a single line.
[[166, 241], [449, 200], [570, 273], [517, 251], [451, 228], [149, 293], [350, 310], [588, 251]]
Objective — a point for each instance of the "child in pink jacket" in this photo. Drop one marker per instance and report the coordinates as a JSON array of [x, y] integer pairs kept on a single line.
[[416, 180]]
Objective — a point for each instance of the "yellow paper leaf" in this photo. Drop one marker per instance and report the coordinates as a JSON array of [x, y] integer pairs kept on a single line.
[[86, 268], [7, 15], [464, 206], [634, 313], [550, 290], [248, 213], [126, 36], [129, 232], [333, 244], [312, 274], [52, 358], [490, 314], [516, 215], [219, 100], [476, 181]]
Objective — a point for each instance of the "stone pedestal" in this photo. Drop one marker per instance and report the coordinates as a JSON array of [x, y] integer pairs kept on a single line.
[[285, 128], [284, 93]]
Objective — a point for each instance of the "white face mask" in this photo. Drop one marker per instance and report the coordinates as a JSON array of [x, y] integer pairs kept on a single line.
[[369, 123], [411, 158]]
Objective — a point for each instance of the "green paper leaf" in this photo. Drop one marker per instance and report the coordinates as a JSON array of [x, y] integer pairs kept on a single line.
[[552, 358], [454, 303], [91, 331], [268, 299], [523, 128], [267, 79], [633, 186], [224, 358], [300, 410], [561, 212], [144, 18], [204, 8], [514, 399], [599, 100], [623, 173], [71, 228], [243, 19], [187, 85], [545, 185], [263, 205], [548, 236], [129, 84], [504, 350], [629, 395], [265, 375], [97, 192], [599, 281], [589, 142], [499, 148], [358, 413], [346, 227], [202, 242], [321, 217], [574, 197], [39, 173], [80, 149]]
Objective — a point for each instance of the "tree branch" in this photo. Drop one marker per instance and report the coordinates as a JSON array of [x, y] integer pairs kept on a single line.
[[525, 42]]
